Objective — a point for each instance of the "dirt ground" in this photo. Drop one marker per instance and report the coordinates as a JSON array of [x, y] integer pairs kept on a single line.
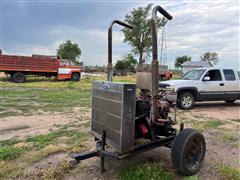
[[23, 126], [218, 110], [218, 151]]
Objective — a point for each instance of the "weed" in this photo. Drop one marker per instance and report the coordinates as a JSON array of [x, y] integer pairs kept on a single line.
[[33, 149], [55, 172], [145, 171], [206, 125], [43, 140], [9, 142], [47, 95], [9, 153], [229, 173], [229, 137], [9, 169], [35, 156], [235, 120], [191, 178]]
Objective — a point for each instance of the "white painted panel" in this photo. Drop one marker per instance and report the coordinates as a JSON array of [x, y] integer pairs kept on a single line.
[[64, 70]]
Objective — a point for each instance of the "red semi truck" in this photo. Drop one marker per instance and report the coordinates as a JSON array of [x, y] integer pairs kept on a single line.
[[19, 67]]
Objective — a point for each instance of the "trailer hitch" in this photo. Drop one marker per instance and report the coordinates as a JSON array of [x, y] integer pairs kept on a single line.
[[109, 66], [102, 153]]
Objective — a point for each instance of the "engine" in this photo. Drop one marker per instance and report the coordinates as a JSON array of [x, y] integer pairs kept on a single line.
[[144, 127]]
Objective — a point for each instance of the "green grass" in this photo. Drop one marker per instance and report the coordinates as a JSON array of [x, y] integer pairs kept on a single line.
[[16, 154], [145, 171], [9, 150], [9, 142], [207, 124], [229, 173], [9, 153], [229, 136], [191, 178], [26, 101], [41, 141], [46, 95]]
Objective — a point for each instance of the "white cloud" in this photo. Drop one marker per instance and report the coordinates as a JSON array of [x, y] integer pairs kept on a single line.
[[197, 27], [29, 49], [93, 44], [200, 26]]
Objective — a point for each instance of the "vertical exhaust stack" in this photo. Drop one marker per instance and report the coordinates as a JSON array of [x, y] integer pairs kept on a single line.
[[155, 63], [109, 66]]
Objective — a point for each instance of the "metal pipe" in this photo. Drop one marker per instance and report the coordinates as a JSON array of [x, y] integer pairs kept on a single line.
[[109, 66], [155, 63]]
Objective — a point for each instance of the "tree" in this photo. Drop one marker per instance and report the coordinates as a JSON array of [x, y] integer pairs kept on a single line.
[[81, 63], [131, 62], [140, 37], [180, 60], [209, 56], [120, 68], [70, 51], [127, 64]]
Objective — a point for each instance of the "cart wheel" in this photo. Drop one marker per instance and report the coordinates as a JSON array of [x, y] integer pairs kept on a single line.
[[188, 151]]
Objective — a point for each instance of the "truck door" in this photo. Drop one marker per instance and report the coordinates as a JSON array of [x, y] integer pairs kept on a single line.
[[231, 84], [212, 86]]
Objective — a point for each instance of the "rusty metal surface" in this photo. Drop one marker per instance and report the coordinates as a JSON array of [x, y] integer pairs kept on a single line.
[[144, 76], [109, 66], [144, 80], [155, 64], [113, 111]]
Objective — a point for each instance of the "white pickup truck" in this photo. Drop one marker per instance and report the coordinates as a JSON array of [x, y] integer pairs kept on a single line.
[[203, 84]]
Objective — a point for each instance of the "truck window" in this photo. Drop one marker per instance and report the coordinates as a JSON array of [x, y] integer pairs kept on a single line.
[[214, 75], [64, 62], [193, 74], [229, 75]]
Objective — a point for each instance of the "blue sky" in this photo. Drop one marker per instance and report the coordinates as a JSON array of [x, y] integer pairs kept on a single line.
[[37, 27]]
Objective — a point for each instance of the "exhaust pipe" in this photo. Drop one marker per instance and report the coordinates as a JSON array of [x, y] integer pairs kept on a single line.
[[109, 66], [155, 63]]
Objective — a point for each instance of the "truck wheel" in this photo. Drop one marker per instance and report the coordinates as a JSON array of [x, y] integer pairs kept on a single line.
[[188, 151], [230, 101], [18, 77], [185, 100], [75, 77]]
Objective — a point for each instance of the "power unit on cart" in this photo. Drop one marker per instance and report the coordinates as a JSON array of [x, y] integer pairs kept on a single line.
[[130, 121]]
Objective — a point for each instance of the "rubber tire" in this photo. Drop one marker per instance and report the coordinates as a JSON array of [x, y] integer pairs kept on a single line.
[[18, 77], [181, 96], [75, 77], [230, 101], [179, 149]]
